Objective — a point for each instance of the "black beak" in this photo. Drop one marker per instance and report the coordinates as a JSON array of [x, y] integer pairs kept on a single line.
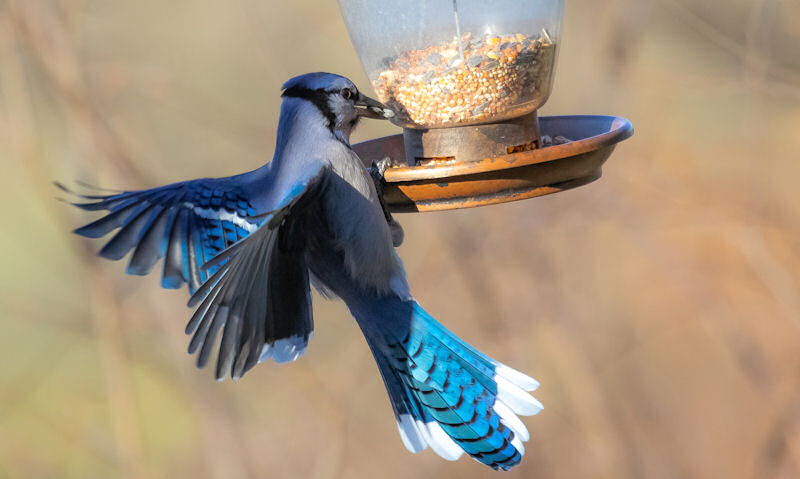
[[369, 108]]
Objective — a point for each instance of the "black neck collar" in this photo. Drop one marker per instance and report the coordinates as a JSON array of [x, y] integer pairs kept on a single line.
[[318, 97]]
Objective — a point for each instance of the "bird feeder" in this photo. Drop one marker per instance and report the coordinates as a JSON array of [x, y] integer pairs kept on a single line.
[[466, 78]]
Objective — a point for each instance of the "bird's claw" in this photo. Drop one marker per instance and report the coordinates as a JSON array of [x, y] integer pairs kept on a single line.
[[379, 167]]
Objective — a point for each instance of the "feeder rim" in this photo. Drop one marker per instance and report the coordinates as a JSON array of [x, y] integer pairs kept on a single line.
[[621, 129]]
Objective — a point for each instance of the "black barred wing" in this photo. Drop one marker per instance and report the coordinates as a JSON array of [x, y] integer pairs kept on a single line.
[[259, 299], [185, 223]]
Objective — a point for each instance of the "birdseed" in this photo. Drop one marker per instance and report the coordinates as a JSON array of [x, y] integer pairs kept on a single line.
[[500, 76]]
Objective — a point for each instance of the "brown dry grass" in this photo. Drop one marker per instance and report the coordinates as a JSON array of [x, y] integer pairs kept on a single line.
[[659, 307]]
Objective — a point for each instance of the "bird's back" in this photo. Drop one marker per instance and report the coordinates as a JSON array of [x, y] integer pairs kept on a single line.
[[357, 227]]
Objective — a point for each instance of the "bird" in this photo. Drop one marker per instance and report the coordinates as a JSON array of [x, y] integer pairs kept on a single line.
[[251, 246]]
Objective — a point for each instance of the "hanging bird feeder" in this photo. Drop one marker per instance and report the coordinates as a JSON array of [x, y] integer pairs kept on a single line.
[[466, 78]]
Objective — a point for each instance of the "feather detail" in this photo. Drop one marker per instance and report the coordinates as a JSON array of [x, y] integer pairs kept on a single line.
[[445, 394], [149, 250], [256, 291], [184, 223]]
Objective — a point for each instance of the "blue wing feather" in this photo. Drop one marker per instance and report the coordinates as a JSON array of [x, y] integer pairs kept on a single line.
[[256, 290], [202, 231], [185, 223]]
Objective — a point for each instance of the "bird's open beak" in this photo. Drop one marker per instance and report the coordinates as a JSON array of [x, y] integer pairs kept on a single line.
[[369, 108]]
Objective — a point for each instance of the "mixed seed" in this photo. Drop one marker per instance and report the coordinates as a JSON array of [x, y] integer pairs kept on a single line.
[[499, 76]]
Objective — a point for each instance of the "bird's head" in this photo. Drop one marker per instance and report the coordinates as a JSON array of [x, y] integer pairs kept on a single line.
[[337, 99]]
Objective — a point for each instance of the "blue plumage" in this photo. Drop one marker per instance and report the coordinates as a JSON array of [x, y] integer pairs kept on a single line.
[[188, 223], [250, 245], [434, 378]]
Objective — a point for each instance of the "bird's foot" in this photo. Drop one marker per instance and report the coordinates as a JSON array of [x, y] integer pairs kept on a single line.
[[379, 167], [376, 171]]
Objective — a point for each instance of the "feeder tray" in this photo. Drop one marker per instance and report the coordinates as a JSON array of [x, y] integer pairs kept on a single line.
[[503, 178], [466, 79]]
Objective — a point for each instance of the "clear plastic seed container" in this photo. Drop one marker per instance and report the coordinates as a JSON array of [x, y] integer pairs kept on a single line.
[[442, 63]]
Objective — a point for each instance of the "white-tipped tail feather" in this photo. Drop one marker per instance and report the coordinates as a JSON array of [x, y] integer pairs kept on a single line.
[[511, 420], [512, 399], [418, 435], [410, 433], [524, 381], [516, 398], [442, 444]]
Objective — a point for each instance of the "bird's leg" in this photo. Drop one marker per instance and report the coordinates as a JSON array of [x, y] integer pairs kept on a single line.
[[376, 171]]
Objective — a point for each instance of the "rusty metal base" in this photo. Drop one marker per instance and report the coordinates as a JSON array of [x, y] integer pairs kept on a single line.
[[470, 143], [502, 178]]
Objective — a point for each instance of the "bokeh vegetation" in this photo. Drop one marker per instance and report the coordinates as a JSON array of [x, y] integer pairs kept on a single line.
[[659, 307]]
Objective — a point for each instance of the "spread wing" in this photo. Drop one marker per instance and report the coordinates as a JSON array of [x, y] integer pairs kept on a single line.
[[185, 223], [246, 269], [259, 296]]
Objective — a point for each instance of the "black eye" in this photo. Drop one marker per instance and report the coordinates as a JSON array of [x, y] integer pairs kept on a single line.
[[347, 93]]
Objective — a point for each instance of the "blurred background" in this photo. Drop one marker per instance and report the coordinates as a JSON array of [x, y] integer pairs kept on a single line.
[[659, 306]]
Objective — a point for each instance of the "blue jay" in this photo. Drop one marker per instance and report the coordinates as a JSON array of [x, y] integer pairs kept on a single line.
[[249, 247]]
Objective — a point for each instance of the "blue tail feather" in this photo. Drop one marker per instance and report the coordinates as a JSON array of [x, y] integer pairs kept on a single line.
[[445, 393]]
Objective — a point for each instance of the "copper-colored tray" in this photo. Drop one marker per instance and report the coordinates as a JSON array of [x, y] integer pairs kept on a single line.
[[511, 177]]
